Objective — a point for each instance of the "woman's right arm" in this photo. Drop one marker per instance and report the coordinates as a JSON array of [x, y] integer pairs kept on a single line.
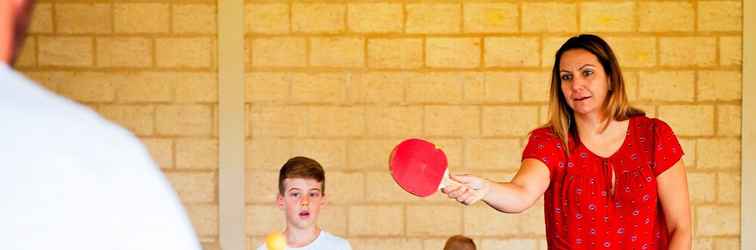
[[530, 182]]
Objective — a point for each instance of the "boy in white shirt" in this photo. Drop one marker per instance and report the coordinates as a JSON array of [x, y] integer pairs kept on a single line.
[[301, 195]]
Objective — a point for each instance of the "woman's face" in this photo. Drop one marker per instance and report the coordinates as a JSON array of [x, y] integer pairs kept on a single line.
[[583, 82]]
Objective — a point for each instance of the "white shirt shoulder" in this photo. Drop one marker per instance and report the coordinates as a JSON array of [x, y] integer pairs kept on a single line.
[[78, 181]]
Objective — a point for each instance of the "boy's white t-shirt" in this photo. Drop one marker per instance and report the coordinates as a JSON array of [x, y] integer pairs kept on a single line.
[[325, 241]]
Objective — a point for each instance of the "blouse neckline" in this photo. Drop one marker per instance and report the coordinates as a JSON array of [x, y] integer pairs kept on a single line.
[[620, 149]]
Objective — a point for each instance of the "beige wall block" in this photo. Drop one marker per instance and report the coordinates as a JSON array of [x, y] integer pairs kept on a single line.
[[437, 243], [719, 85], [495, 87], [482, 220], [344, 188], [729, 118], [718, 220], [270, 18], [375, 17], [261, 186], [196, 88], [438, 87], [369, 154], [512, 51], [532, 220], [550, 46], [267, 87], [446, 220], [161, 151], [549, 17], [65, 51], [195, 186], [140, 120], [720, 16], [48, 79], [196, 153], [607, 17], [142, 17], [27, 56], [146, 87], [688, 51], [318, 88], [536, 86], [543, 114], [689, 150], [194, 18], [729, 188], [381, 187], [631, 84], [318, 17], [279, 52], [267, 153], [429, 18], [394, 121], [452, 120], [634, 51], [509, 120], [184, 52], [204, 218], [377, 87], [666, 16], [337, 52], [124, 52], [689, 120], [453, 52], [667, 85], [730, 243], [335, 121], [731, 50], [376, 220], [334, 219], [330, 153], [509, 244], [702, 187], [277, 121], [701, 243], [263, 219], [78, 18], [512, 244], [718, 153], [491, 17], [493, 154], [401, 53], [387, 243], [41, 19], [184, 120], [86, 86]]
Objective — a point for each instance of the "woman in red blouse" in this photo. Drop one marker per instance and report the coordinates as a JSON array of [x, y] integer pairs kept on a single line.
[[611, 177]]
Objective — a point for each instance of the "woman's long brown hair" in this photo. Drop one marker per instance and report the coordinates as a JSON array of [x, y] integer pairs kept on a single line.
[[616, 105]]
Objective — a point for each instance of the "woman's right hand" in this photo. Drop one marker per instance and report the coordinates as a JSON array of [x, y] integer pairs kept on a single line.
[[467, 189]]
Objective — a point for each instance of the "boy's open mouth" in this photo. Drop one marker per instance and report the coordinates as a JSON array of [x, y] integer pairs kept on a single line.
[[304, 214]]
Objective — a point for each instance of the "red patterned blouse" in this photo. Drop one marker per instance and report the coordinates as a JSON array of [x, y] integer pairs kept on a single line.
[[583, 210]]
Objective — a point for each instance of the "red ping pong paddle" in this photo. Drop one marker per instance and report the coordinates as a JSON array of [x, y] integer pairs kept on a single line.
[[419, 167]]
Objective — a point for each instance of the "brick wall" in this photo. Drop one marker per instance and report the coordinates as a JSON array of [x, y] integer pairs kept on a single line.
[[343, 81]]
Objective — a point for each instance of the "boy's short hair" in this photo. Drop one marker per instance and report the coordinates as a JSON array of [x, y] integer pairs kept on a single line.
[[459, 242], [301, 167]]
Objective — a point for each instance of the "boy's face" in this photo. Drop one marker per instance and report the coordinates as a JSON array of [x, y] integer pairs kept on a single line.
[[302, 200]]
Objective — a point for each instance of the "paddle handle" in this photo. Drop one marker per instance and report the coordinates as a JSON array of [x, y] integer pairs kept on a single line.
[[446, 181]]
